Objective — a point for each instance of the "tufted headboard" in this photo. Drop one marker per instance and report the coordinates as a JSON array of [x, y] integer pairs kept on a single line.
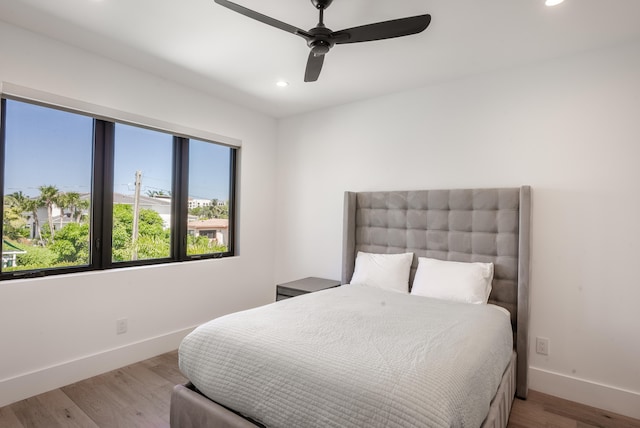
[[467, 225]]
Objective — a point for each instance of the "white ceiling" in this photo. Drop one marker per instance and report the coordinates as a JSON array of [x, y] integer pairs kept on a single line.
[[205, 46]]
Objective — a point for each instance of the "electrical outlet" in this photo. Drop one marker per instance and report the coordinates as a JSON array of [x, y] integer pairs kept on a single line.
[[121, 326], [542, 345]]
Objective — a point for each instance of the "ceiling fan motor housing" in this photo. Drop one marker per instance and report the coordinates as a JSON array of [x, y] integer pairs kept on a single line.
[[321, 42], [321, 4]]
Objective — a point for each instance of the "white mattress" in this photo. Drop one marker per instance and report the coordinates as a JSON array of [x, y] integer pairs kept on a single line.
[[353, 356]]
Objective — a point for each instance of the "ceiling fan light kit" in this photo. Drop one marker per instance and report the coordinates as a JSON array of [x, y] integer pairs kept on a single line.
[[320, 39]]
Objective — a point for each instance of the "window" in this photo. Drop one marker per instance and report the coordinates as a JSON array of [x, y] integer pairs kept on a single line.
[[141, 194], [209, 190], [47, 187], [81, 193]]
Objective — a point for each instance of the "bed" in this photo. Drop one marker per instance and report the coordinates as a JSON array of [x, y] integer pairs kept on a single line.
[[460, 225]]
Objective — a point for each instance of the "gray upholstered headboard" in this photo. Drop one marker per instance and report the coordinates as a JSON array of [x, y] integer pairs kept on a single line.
[[483, 225]]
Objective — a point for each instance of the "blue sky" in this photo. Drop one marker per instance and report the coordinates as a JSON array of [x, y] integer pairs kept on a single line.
[[52, 147]]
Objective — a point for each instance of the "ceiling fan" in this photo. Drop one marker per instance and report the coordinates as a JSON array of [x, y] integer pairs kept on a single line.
[[321, 39]]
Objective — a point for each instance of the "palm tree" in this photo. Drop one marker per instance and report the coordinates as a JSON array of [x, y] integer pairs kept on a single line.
[[62, 202], [221, 210], [13, 219], [21, 203], [31, 206], [79, 207], [17, 201], [67, 200], [73, 203], [48, 197], [157, 193]]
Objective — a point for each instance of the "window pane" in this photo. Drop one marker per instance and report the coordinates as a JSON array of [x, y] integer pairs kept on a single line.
[[209, 184], [47, 188], [141, 194]]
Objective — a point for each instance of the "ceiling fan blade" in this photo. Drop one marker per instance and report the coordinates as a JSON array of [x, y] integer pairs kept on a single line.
[[314, 66], [382, 30], [264, 19]]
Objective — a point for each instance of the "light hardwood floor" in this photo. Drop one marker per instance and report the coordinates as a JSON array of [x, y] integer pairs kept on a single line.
[[133, 396], [138, 396]]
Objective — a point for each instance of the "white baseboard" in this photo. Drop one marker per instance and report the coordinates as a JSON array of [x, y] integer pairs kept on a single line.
[[38, 381], [594, 394]]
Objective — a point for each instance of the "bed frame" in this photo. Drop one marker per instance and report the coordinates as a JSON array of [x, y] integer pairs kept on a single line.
[[484, 225]]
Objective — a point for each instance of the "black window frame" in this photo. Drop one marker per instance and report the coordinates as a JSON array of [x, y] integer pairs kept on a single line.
[[101, 210]]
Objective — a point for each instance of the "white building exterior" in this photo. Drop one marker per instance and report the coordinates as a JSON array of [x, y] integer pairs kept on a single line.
[[194, 203]]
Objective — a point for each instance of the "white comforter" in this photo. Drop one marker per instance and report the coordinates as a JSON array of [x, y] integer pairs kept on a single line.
[[353, 356]]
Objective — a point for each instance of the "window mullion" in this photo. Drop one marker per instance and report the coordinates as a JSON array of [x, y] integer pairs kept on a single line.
[[179, 197], [232, 201], [102, 203], [3, 105]]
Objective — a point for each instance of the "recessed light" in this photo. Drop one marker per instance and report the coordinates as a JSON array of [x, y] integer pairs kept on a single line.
[[282, 83], [553, 2]]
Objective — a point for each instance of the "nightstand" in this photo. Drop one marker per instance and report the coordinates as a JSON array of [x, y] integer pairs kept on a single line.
[[303, 286]]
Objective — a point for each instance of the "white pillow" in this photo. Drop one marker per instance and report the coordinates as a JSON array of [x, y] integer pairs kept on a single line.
[[456, 281], [387, 271]]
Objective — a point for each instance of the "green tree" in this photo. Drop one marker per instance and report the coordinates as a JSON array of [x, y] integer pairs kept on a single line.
[[215, 210], [36, 258], [72, 244], [153, 239], [32, 206], [153, 247], [157, 193], [49, 196], [221, 210], [78, 209], [14, 223], [203, 245], [62, 201], [16, 200], [150, 223], [122, 230], [22, 203], [196, 211], [67, 201]]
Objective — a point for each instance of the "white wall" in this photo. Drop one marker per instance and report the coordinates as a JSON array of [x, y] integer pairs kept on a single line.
[[570, 128], [57, 330]]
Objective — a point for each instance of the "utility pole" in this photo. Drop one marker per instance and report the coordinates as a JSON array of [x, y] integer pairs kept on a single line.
[[136, 212]]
